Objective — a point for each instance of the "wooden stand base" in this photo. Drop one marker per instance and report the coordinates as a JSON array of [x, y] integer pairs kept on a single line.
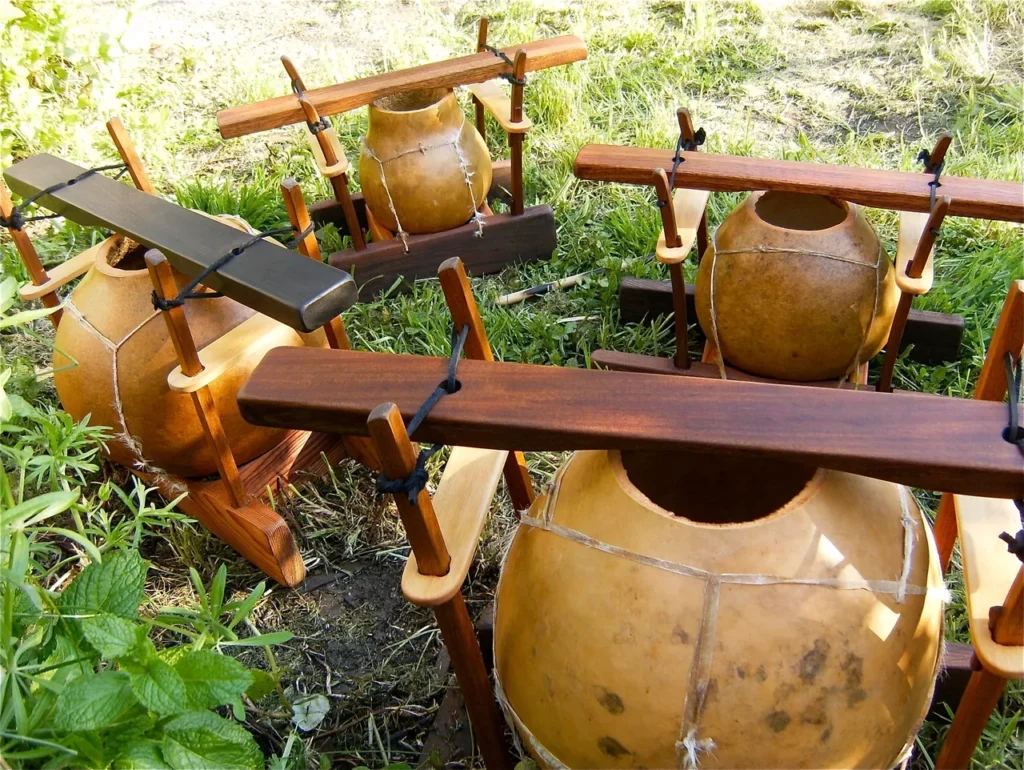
[[254, 530]]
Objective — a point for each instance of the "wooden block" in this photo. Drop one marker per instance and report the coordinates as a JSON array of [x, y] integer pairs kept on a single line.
[[506, 240], [491, 95], [898, 190], [63, 273], [285, 286], [912, 225], [475, 68], [952, 681], [935, 336], [689, 210], [461, 503], [251, 338], [989, 571], [328, 169], [933, 442]]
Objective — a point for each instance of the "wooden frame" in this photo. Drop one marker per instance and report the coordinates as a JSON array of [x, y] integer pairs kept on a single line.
[[522, 235]]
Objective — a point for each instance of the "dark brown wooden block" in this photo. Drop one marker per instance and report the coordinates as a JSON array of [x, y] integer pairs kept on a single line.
[[506, 239], [288, 287], [933, 442], [936, 337], [953, 678]]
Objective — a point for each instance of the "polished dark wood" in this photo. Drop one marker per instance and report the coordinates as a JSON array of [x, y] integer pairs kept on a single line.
[[898, 190], [506, 240], [977, 704], [289, 288], [932, 442], [935, 336]]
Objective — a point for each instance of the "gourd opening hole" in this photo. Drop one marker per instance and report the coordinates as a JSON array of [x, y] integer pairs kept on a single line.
[[127, 254], [800, 211], [410, 101]]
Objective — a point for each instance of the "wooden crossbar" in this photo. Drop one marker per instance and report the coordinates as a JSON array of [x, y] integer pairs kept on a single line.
[[932, 442], [475, 68], [897, 190], [299, 292]]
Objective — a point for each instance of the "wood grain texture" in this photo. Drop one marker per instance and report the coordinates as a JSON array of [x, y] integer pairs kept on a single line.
[[62, 274], [506, 240], [126, 149], [474, 68], [977, 704], [499, 104], [935, 336], [898, 190], [932, 442], [291, 289], [29, 257]]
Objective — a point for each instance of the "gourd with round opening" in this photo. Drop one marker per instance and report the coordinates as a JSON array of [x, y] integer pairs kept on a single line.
[[127, 254], [800, 211], [716, 489], [410, 101]]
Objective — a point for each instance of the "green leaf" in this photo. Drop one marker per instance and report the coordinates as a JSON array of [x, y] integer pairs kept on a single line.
[[276, 637], [160, 688], [212, 679], [37, 508], [141, 755], [110, 635], [114, 587], [93, 702], [263, 683], [201, 740]]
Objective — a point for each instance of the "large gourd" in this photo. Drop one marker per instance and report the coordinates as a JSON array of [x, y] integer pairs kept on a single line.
[[424, 168], [685, 610], [796, 287]]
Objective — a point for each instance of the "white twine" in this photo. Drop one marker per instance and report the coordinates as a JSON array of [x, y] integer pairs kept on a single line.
[[908, 543], [690, 747]]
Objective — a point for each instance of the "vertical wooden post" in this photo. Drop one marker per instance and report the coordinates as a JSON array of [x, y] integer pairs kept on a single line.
[[126, 149], [672, 240], [29, 257], [515, 141], [1007, 338], [464, 311], [188, 357], [398, 458], [298, 215], [976, 705], [914, 270], [481, 45], [686, 131]]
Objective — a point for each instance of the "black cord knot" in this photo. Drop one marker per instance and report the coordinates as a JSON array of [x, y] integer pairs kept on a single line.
[[414, 483], [509, 76], [698, 139], [925, 157], [1014, 543], [317, 126], [15, 222]]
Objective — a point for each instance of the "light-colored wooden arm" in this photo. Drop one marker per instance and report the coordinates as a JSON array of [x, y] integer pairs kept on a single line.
[[254, 336], [462, 501], [328, 169], [499, 104], [912, 225], [64, 273], [689, 209], [989, 573]]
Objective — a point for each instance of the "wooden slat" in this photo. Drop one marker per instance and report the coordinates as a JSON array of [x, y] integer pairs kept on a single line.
[[912, 225], [989, 571], [898, 190], [932, 442], [475, 68], [328, 169], [688, 206], [287, 287], [499, 104], [63, 273]]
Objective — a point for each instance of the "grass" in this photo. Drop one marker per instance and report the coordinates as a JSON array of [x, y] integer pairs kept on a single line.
[[847, 81]]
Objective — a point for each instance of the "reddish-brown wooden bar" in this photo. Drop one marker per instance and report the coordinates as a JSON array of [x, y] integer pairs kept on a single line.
[[898, 190], [475, 68], [932, 442]]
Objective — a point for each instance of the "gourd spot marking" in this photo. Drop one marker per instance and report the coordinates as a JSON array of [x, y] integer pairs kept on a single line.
[[814, 660], [778, 720], [760, 675], [816, 712], [679, 635], [741, 672], [853, 666], [826, 734], [611, 702], [612, 747]]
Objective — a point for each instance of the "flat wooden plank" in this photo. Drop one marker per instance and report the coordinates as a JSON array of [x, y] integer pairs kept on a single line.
[[506, 240], [935, 336], [689, 210], [932, 442], [988, 573], [288, 287], [912, 225], [461, 504], [499, 104], [475, 68], [898, 190]]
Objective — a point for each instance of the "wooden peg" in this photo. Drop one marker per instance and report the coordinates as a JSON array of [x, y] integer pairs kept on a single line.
[[188, 358], [976, 705], [29, 257], [672, 239], [464, 311], [481, 46], [126, 149], [515, 141], [899, 321], [687, 132], [668, 212], [938, 154], [1007, 620], [293, 74]]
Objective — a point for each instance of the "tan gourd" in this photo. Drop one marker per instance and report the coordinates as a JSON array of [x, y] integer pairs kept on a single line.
[[796, 287], [113, 356], [424, 168], [759, 614]]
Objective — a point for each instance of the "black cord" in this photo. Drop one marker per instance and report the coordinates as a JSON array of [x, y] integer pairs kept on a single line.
[[925, 157], [413, 484], [687, 145], [189, 292], [314, 127], [17, 220], [1015, 435], [509, 76]]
